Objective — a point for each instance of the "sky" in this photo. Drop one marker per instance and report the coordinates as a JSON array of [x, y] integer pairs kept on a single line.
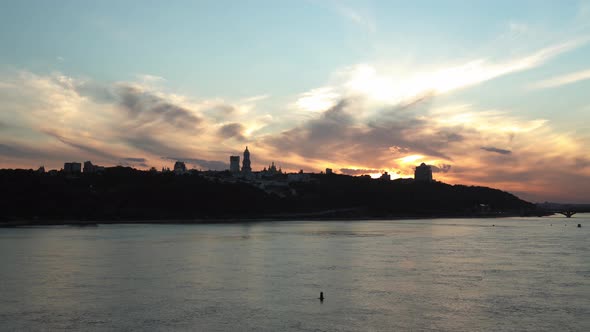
[[490, 93]]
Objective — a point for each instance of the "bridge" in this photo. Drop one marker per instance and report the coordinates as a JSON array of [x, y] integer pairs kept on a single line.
[[567, 213], [567, 210]]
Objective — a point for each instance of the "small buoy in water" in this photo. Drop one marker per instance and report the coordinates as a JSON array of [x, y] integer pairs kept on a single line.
[[321, 296], [579, 225], [493, 225]]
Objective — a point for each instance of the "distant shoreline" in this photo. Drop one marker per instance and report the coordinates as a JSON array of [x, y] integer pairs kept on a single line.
[[91, 223], [121, 195]]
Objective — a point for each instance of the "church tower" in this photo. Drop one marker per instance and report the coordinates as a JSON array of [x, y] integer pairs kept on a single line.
[[246, 163]]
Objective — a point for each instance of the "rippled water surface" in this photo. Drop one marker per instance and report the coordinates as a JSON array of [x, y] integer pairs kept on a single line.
[[529, 274]]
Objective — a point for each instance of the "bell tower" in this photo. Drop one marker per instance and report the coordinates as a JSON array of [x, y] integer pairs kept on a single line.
[[246, 163]]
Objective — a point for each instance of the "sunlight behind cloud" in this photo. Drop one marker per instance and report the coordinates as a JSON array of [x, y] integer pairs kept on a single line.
[[317, 100], [411, 159], [392, 84]]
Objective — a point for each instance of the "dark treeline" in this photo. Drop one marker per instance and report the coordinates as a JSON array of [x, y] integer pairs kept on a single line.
[[126, 194]]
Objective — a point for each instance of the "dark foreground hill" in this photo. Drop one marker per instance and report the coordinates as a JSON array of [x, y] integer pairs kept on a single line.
[[124, 194]]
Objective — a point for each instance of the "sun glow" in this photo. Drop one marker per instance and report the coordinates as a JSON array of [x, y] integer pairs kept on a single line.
[[317, 100], [411, 158]]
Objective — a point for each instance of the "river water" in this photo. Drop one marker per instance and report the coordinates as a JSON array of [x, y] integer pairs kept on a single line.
[[514, 274]]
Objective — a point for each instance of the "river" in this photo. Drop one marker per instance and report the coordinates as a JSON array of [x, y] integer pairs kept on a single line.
[[511, 274]]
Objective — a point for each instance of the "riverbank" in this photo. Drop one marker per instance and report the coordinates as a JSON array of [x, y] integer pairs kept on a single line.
[[275, 218]]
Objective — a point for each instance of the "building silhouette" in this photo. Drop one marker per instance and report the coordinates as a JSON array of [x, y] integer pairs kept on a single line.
[[423, 173], [385, 176], [234, 164], [179, 167], [88, 167], [271, 172], [72, 167], [246, 168]]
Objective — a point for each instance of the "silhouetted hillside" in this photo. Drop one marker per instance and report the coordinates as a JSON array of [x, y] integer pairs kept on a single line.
[[410, 198], [127, 194]]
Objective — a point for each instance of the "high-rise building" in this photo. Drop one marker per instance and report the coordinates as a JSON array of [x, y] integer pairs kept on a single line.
[[234, 164], [246, 163], [423, 173]]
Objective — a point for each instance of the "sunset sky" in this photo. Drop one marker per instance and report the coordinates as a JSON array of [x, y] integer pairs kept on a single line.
[[492, 93]]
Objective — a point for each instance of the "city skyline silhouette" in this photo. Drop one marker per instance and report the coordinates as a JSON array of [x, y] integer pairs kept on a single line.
[[360, 88]]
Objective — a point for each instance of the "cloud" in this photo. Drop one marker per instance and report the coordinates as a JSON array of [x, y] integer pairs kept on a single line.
[[255, 99], [19, 151], [359, 171], [582, 162], [318, 99], [6, 85], [202, 164], [88, 150], [100, 93], [232, 130], [460, 141], [105, 121], [15, 154], [150, 79], [151, 145], [338, 137], [219, 111], [135, 160], [361, 19], [562, 80], [496, 150], [442, 168], [150, 108], [518, 28], [319, 136], [392, 84]]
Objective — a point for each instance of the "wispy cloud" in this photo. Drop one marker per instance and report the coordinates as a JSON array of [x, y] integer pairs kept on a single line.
[[254, 99], [391, 85], [148, 79], [496, 150], [357, 17], [518, 27], [135, 159], [562, 80]]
